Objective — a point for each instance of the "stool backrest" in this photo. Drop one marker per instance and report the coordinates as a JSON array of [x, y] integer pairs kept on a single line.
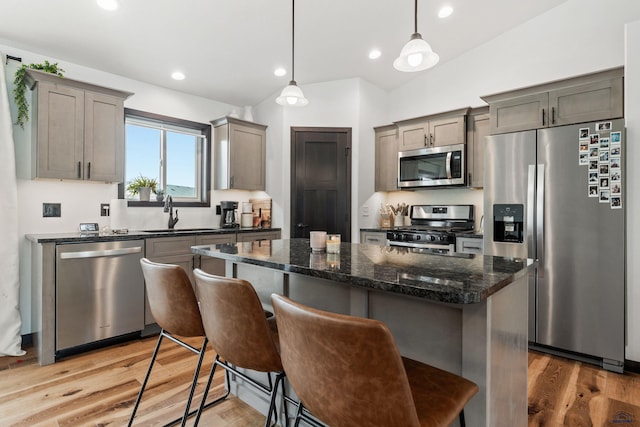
[[171, 298], [346, 370], [235, 322]]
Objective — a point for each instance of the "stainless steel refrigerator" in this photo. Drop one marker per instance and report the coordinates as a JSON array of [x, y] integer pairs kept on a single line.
[[556, 195]]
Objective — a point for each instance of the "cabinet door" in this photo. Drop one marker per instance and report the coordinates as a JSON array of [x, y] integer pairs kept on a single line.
[[413, 135], [588, 102], [522, 113], [60, 132], [247, 157], [447, 131], [478, 129], [386, 178], [103, 138], [209, 264]]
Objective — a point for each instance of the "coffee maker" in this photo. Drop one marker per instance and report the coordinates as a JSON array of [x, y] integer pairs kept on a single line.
[[228, 214]]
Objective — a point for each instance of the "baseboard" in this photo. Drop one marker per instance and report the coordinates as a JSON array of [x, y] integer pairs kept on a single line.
[[632, 366]]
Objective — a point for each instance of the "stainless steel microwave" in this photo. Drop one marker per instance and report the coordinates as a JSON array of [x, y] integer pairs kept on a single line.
[[431, 167]]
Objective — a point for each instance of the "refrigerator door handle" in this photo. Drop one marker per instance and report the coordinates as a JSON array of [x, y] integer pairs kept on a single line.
[[540, 220], [531, 186]]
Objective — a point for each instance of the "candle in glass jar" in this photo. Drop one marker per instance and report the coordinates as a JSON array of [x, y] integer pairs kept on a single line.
[[318, 240], [333, 243]]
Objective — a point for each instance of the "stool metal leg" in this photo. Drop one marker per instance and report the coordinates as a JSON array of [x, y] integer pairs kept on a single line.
[[461, 416], [146, 378]]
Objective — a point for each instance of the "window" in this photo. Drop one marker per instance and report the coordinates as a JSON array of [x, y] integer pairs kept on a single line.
[[172, 151]]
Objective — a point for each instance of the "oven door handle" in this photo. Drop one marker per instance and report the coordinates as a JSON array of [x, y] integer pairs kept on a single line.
[[449, 164], [419, 245]]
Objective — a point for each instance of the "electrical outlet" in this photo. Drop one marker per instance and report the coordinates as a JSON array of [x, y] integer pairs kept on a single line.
[[104, 209], [365, 210], [51, 210]]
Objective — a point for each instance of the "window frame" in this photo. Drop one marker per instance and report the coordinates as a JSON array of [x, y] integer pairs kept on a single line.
[[205, 164]]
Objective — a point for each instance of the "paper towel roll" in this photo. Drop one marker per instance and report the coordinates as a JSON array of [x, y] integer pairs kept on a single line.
[[118, 214], [246, 220]]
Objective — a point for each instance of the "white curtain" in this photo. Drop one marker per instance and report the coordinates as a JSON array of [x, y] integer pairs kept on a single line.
[[10, 340]]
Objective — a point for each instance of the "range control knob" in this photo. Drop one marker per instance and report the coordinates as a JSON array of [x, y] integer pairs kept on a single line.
[[432, 238], [443, 238]]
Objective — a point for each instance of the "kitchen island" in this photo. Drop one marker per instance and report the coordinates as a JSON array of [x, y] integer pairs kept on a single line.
[[466, 314]]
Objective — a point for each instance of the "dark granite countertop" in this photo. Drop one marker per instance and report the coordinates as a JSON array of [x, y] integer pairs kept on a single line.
[[459, 279], [77, 237]]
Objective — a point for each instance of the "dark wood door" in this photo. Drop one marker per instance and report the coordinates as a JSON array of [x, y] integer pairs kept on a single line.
[[321, 181]]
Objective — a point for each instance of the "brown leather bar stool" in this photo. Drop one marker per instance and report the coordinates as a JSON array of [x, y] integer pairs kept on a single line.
[[348, 372], [241, 334], [175, 308]]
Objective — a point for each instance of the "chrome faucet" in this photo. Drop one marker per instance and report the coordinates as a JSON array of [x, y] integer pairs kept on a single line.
[[168, 207]]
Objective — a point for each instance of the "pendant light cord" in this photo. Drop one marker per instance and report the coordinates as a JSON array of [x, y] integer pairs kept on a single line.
[[293, 39], [415, 15]]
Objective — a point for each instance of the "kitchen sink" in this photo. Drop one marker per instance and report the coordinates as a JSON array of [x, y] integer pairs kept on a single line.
[[177, 230]]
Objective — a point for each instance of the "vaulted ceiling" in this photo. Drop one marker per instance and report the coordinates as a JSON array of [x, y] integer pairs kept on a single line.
[[228, 49]]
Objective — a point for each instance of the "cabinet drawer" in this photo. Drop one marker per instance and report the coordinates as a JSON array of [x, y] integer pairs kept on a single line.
[[468, 246], [258, 235], [373, 238], [167, 246], [213, 239]]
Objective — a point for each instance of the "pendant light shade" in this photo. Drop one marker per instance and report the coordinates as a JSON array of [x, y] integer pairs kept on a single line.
[[416, 55], [292, 96]]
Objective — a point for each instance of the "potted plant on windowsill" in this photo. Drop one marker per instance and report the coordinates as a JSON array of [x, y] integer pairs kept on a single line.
[[143, 186], [159, 194]]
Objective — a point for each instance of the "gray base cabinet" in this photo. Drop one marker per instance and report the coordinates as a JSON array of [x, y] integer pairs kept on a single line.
[[597, 96], [78, 129]]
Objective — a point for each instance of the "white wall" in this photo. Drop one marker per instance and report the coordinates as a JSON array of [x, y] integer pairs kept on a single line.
[[331, 104], [632, 113], [576, 37]]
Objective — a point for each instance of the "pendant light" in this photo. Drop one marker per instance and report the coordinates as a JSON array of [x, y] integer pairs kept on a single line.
[[416, 55], [292, 96]]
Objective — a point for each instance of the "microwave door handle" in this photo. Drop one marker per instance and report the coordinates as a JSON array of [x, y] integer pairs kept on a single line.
[[449, 164]]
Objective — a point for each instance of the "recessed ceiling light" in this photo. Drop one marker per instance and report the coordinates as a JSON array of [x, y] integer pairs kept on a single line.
[[280, 72], [178, 76], [445, 11], [374, 54], [108, 4]]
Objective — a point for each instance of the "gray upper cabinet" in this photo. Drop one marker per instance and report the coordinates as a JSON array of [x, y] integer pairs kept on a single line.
[[477, 129], [432, 131], [78, 129], [239, 154], [386, 169], [597, 96]]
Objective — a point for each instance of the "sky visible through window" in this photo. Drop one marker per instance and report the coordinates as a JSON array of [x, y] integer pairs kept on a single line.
[[143, 145]]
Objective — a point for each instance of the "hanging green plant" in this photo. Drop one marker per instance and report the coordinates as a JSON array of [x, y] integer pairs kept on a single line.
[[20, 88]]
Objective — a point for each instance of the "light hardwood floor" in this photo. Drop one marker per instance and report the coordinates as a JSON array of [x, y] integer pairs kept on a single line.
[[99, 388]]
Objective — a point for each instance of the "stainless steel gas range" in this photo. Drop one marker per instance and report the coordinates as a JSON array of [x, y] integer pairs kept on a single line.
[[433, 228]]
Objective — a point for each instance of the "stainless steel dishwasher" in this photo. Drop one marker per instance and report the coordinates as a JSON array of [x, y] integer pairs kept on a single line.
[[99, 291]]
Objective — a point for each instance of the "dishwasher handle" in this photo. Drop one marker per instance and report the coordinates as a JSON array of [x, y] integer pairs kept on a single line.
[[100, 253]]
